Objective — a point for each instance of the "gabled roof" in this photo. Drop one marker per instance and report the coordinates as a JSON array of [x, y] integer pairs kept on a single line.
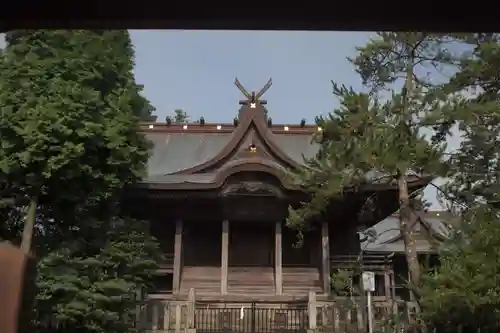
[[202, 153], [430, 227]]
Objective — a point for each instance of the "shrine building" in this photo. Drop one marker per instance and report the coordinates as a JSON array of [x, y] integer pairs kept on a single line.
[[217, 196]]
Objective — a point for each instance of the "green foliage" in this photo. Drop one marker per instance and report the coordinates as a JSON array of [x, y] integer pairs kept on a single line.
[[375, 139], [463, 293], [364, 141], [180, 116], [465, 290], [90, 285], [343, 282], [68, 127], [475, 166], [391, 55]]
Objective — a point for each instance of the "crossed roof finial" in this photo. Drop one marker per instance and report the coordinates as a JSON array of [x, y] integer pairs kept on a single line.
[[252, 98]]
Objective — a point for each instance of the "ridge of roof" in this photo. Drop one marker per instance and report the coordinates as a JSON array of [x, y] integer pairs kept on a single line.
[[147, 127], [434, 223], [427, 220]]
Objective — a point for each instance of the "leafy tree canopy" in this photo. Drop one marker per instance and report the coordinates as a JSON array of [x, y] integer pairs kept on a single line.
[[180, 116], [69, 128], [91, 283], [70, 144], [462, 294]]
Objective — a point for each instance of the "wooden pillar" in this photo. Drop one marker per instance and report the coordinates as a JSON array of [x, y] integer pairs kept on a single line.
[[224, 257], [312, 311], [177, 257], [191, 306], [325, 257], [387, 284], [278, 273]]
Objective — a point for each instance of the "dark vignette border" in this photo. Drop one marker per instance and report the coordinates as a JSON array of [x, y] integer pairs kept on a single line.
[[151, 14]]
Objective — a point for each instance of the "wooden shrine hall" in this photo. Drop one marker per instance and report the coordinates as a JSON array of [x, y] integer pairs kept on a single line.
[[217, 196]]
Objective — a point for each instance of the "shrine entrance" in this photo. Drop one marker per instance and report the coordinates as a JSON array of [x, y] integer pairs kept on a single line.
[[251, 245], [202, 244]]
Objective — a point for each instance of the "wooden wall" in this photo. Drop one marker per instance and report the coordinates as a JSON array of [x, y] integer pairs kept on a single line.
[[251, 244], [343, 238], [202, 243]]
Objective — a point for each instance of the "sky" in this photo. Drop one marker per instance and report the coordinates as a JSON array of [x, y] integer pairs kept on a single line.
[[195, 71]]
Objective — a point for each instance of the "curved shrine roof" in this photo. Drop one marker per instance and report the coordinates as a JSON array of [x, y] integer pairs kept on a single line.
[[205, 154], [179, 149], [175, 152]]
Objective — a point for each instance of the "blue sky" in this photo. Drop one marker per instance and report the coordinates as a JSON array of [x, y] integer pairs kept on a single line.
[[195, 71]]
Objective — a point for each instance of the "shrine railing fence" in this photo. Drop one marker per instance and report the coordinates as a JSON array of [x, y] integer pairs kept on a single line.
[[335, 316]]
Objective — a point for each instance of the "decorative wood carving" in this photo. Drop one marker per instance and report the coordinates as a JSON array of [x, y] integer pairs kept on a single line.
[[253, 98], [252, 139], [248, 154], [253, 188]]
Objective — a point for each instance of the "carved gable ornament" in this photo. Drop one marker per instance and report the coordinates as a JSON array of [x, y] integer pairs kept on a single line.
[[253, 99], [252, 139], [251, 188]]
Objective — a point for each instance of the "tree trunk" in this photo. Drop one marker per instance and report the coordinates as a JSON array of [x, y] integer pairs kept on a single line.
[[29, 225], [407, 231], [404, 197]]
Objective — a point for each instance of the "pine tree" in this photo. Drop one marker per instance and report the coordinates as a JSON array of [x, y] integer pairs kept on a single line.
[[462, 294], [377, 136], [475, 166], [380, 63]]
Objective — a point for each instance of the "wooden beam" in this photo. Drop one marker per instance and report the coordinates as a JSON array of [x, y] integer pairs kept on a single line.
[[224, 257], [278, 248], [325, 257], [176, 283]]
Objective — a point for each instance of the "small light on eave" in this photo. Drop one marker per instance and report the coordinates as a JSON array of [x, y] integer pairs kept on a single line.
[[286, 128], [253, 105], [219, 127], [184, 126], [320, 129], [151, 126], [437, 214]]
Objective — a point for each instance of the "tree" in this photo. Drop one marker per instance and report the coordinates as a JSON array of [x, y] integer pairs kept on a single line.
[[380, 63], [180, 116], [68, 127], [462, 293], [70, 145], [89, 285], [475, 166], [382, 137]]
